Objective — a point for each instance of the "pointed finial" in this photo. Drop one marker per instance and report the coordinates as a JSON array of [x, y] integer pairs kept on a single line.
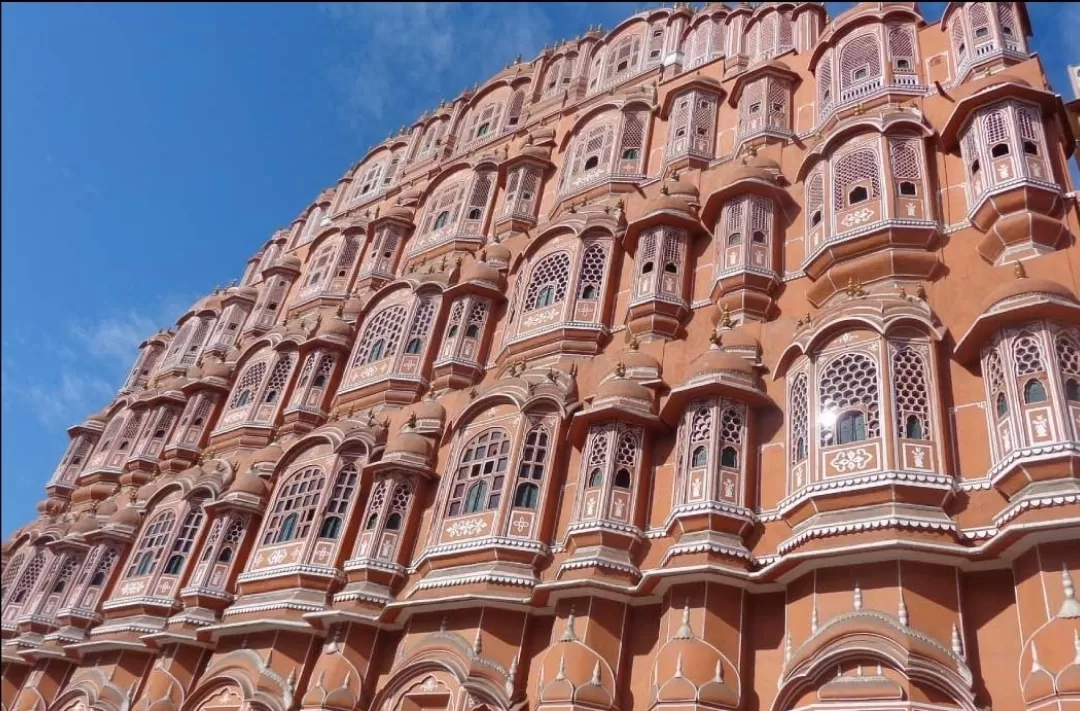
[[684, 629], [511, 676], [1019, 270], [718, 675], [595, 681], [664, 190], [902, 612], [620, 370], [631, 341], [678, 666], [725, 316], [814, 619], [560, 675], [1076, 646], [957, 647], [1070, 608], [442, 624], [1035, 665], [412, 420], [858, 596], [920, 292], [477, 646], [902, 292], [787, 648]]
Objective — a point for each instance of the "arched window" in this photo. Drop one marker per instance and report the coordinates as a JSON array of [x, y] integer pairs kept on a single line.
[[593, 263], [29, 577], [1002, 405], [185, 539], [860, 60], [372, 520], [381, 335], [700, 458], [246, 385], [798, 410], [1034, 392], [526, 495], [474, 501], [338, 505], [734, 238], [485, 459], [907, 188], [413, 346], [910, 383], [591, 162], [851, 427], [857, 195], [622, 479], [856, 178], [596, 479], [1072, 390], [150, 548], [999, 150], [729, 457], [294, 508], [279, 378], [104, 567], [758, 237], [442, 219], [849, 386], [913, 428], [551, 276], [393, 522]]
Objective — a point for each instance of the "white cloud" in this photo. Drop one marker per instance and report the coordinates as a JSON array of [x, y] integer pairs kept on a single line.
[[60, 400], [408, 56], [114, 337]]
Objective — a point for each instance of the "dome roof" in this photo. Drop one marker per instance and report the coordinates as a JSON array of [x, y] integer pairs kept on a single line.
[[85, 524], [107, 507], [335, 326], [1016, 287], [535, 151], [101, 416], [213, 367], [400, 212], [146, 491], [352, 306], [268, 454], [623, 389], [249, 484], [248, 292], [126, 516], [290, 261], [737, 338], [497, 253], [408, 443], [429, 410], [481, 271], [715, 360]]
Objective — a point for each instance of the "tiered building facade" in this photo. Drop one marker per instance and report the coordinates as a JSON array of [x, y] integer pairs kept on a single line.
[[727, 359]]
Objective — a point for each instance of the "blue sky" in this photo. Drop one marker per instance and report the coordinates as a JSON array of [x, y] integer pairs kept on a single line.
[[149, 149]]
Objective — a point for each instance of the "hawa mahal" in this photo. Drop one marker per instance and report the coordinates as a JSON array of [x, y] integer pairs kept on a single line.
[[727, 359]]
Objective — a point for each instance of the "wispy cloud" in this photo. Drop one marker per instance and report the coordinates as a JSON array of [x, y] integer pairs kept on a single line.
[[114, 337], [81, 372], [410, 55]]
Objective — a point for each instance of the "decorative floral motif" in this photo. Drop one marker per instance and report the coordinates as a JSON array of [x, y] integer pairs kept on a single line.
[[277, 556], [857, 218], [466, 527], [852, 460]]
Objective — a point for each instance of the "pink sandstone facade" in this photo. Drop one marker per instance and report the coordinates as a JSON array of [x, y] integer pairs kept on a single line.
[[728, 359]]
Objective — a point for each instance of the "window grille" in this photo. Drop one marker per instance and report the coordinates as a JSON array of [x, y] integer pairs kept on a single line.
[[731, 426], [995, 127], [185, 538], [482, 468], [194, 347], [815, 199], [906, 162], [104, 567], [421, 323], [785, 34], [378, 496], [857, 167], [552, 86], [980, 21], [131, 429], [851, 382], [902, 47], [553, 271], [593, 263], [10, 571], [338, 505], [1068, 355], [956, 31], [294, 509], [860, 61], [800, 413], [28, 578], [824, 82], [279, 378], [701, 425], [152, 545], [910, 381], [627, 453], [381, 336], [1027, 355], [477, 317]]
